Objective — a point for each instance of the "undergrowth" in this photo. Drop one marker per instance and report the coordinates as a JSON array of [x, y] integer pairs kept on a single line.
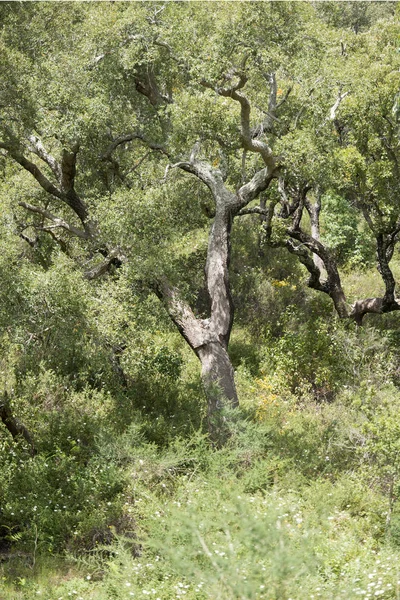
[[300, 503], [127, 498]]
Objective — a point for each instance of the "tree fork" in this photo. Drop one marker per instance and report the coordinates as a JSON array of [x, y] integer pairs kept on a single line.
[[216, 368]]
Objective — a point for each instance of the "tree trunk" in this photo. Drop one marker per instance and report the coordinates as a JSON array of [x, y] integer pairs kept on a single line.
[[314, 210], [333, 285], [218, 377], [210, 348], [209, 338]]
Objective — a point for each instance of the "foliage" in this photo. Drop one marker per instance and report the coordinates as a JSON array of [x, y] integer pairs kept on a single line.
[[123, 494], [344, 235]]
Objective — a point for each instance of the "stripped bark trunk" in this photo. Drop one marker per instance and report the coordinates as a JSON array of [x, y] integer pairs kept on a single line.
[[389, 303], [217, 376], [209, 338], [217, 372], [219, 386]]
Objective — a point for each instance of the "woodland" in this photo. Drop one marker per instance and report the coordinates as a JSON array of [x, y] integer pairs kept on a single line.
[[199, 326]]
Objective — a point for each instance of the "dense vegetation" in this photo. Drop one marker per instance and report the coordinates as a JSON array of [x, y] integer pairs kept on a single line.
[[210, 184]]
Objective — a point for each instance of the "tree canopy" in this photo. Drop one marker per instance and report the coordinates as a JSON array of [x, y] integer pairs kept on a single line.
[[133, 125]]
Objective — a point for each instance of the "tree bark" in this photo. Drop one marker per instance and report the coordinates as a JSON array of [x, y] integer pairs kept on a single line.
[[209, 338], [219, 385], [217, 276], [334, 285], [210, 348], [314, 210], [217, 375]]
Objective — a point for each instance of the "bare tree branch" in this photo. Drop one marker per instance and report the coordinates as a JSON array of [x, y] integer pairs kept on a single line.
[[248, 142], [65, 173], [61, 243], [284, 97], [39, 149], [334, 282], [68, 169], [334, 108], [58, 222], [273, 94], [191, 329], [211, 177], [146, 84], [384, 252], [314, 210], [251, 190], [385, 245], [371, 305], [306, 259], [67, 182], [254, 210], [32, 242], [33, 170], [129, 137]]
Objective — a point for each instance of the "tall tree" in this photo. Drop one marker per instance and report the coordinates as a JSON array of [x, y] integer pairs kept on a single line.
[[127, 117]]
